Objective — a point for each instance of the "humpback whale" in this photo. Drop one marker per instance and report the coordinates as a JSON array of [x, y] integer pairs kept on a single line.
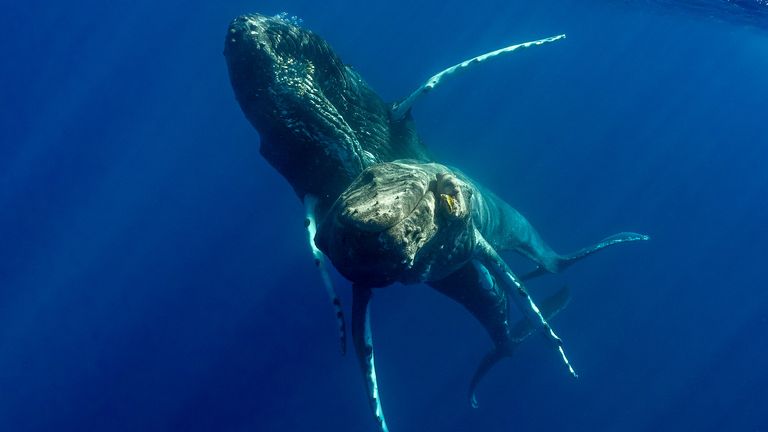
[[412, 222], [376, 202]]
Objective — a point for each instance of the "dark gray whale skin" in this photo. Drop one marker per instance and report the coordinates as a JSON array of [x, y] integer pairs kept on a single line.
[[322, 128], [319, 122]]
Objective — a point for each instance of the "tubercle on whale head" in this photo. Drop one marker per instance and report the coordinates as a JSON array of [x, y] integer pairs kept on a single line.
[[261, 50], [405, 222], [356, 233]]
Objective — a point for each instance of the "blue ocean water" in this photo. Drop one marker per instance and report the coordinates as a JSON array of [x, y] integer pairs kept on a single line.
[[154, 273]]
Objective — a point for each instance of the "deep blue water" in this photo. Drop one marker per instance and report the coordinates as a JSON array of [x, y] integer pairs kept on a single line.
[[154, 274]]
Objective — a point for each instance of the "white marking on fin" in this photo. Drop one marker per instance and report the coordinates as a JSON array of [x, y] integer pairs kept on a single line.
[[399, 110], [310, 203], [363, 342], [517, 292]]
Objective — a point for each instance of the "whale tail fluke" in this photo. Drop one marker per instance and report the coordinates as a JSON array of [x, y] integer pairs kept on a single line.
[[522, 329], [566, 261]]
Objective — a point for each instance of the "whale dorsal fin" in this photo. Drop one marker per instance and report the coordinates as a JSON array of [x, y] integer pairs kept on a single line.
[[400, 110]]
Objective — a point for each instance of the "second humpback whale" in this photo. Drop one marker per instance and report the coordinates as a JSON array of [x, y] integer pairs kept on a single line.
[[412, 222], [336, 142]]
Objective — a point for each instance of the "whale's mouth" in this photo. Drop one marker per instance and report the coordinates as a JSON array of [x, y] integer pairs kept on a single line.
[[393, 222]]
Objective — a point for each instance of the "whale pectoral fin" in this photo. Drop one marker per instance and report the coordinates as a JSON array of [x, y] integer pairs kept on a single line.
[[400, 110], [550, 307], [517, 293], [521, 330], [310, 203], [363, 342], [566, 261]]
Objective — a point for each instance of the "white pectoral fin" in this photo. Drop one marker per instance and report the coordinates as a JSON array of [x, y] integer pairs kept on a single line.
[[310, 203], [363, 342], [517, 293], [400, 110]]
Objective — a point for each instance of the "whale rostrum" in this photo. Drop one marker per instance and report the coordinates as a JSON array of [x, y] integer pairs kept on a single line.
[[377, 205]]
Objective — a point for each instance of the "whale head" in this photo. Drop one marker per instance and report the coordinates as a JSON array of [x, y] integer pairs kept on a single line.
[[291, 86], [319, 122], [400, 222]]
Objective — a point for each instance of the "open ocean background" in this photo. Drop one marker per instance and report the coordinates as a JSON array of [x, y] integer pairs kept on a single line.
[[154, 273]]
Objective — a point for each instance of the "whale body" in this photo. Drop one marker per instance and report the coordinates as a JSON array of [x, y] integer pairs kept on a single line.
[[376, 202]]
